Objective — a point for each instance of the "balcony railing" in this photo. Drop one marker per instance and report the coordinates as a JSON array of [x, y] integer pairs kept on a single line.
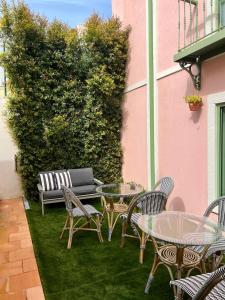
[[201, 34], [199, 19]]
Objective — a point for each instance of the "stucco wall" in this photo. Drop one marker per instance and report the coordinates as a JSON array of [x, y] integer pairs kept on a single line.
[[183, 135], [134, 137], [134, 132], [9, 180]]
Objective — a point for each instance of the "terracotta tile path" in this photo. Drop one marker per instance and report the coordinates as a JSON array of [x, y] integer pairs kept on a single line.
[[19, 277]]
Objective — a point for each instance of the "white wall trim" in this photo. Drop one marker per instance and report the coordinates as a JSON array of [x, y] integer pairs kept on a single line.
[[155, 59], [168, 72], [148, 95], [135, 86], [213, 100]]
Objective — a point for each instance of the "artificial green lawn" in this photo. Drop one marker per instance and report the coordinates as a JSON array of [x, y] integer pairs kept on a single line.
[[90, 270]]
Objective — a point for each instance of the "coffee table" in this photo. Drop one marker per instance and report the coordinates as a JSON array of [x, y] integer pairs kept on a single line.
[[173, 233], [112, 192]]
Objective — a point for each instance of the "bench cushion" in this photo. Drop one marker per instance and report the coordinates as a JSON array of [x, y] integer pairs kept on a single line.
[[84, 189], [78, 190], [53, 194], [82, 176]]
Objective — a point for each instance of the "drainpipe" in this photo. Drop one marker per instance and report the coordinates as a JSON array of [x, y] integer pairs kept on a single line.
[[150, 94]]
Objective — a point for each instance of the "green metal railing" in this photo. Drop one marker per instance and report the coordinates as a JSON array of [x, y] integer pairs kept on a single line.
[[198, 19]]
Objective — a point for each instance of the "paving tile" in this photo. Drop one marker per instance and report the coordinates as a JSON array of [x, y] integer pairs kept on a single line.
[[29, 264], [4, 236], [19, 277], [23, 228], [10, 269], [26, 243], [6, 247], [12, 227], [35, 293], [18, 236], [4, 285], [24, 281], [4, 257], [14, 296], [21, 254]]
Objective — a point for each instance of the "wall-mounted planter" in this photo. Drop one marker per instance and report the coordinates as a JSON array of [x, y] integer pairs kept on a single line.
[[195, 106], [194, 102]]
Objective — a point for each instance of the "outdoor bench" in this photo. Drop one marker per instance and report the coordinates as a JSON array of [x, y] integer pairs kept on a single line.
[[81, 182]]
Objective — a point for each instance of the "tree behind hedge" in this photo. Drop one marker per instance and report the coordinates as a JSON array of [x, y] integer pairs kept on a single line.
[[66, 93]]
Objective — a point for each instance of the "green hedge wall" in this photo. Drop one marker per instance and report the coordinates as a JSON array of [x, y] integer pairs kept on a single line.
[[66, 93]]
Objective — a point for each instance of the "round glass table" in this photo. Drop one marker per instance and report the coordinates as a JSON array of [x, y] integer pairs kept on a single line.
[[173, 233], [113, 209]]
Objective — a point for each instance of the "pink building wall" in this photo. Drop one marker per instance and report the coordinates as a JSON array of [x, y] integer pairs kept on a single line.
[[134, 133], [182, 136]]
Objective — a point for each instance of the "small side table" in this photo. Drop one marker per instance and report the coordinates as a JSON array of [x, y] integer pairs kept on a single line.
[[120, 191]]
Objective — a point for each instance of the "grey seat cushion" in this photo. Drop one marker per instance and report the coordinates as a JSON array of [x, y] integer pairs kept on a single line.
[[53, 194], [82, 176], [83, 190], [78, 190], [77, 212]]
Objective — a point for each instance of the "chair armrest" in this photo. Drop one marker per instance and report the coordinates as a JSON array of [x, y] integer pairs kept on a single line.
[[98, 182], [40, 188]]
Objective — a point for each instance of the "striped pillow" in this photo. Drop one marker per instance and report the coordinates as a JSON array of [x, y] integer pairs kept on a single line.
[[47, 181], [63, 178]]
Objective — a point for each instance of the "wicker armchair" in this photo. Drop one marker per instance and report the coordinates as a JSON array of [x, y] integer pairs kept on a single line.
[[149, 203], [210, 286], [165, 185], [217, 249], [79, 218]]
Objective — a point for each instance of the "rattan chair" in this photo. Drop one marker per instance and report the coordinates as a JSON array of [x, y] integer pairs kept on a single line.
[[152, 202], [217, 249], [210, 286], [80, 217], [165, 185]]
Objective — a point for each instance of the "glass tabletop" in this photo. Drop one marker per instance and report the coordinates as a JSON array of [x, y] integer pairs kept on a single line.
[[180, 228], [120, 189]]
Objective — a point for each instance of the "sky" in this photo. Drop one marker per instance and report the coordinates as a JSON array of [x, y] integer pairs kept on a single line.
[[72, 12]]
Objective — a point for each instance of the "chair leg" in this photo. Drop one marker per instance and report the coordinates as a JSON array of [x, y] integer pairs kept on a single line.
[[124, 230], [64, 227], [70, 233], [142, 247], [99, 229], [42, 208], [202, 266], [216, 259], [89, 224], [151, 275]]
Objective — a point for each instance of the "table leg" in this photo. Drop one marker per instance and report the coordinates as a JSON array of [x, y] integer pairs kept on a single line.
[[179, 259], [121, 200], [110, 224]]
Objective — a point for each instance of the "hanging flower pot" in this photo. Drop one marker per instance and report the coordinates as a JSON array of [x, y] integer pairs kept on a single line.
[[194, 102], [195, 106]]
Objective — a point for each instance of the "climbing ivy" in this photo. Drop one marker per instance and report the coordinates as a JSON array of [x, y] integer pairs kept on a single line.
[[66, 90]]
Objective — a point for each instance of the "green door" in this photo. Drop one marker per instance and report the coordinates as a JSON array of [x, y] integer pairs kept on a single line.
[[222, 152]]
